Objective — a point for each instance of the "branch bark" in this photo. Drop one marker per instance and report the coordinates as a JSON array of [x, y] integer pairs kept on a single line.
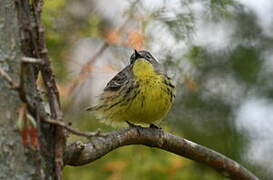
[[79, 154]]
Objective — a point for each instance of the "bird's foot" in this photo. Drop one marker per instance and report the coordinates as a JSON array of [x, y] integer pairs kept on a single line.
[[155, 126], [132, 125], [137, 127]]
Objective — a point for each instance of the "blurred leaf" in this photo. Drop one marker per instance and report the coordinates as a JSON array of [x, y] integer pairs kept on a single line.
[[113, 37], [135, 40], [246, 64]]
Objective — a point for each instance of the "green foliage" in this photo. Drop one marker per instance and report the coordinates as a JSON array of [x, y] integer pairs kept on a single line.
[[220, 8], [246, 64], [195, 55]]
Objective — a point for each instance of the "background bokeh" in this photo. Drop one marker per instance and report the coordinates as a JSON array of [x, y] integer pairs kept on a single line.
[[219, 53]]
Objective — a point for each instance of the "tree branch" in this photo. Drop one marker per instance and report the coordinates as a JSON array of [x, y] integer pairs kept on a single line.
[[79, 154]]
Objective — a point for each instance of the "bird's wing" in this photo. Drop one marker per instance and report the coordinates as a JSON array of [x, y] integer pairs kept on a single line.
[[114, 85], [119, 80]]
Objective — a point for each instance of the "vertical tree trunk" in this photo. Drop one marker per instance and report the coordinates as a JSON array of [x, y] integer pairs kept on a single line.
[[18, 161]]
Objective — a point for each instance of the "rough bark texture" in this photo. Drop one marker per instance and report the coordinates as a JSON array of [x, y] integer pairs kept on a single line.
[[15, 163], [16, 160]]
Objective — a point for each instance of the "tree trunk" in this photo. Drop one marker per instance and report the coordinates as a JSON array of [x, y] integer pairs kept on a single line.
[[26, 151]]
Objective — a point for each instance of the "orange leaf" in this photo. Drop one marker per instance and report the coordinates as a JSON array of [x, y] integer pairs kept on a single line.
[[107, 69], [190, 84], [27, 128], [112, 37], [33, 132], [176, 163], [86, 69], [29, 137], [25, 137], [135, 40], [116, 166]]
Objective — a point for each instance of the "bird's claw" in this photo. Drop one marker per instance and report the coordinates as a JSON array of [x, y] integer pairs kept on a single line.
[[132, 125], [155, 126]]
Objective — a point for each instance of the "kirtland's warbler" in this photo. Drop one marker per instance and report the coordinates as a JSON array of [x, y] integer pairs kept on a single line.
[[141, 93]]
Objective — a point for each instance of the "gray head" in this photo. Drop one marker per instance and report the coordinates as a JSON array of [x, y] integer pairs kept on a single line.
[[143, 54]]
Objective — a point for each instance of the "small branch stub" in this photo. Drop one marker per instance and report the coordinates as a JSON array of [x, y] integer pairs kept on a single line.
[[30, 60]]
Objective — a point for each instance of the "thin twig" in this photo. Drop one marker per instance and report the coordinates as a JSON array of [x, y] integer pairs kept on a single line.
[[13, 84], [75, 131]]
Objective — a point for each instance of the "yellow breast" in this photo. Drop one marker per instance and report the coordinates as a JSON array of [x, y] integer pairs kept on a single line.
[[153, 100]]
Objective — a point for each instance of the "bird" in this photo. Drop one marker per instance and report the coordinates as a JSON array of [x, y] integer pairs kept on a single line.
[[141, 93]]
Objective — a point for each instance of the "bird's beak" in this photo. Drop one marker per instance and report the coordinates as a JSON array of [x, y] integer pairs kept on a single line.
[[137, 54]]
